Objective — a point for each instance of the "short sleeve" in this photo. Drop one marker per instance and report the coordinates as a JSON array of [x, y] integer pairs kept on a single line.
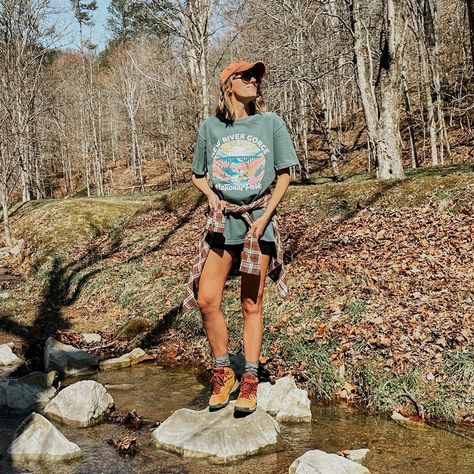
[[284, 153], [199, 164]]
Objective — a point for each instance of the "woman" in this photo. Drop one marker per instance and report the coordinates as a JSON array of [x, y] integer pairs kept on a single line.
[[243, 148]]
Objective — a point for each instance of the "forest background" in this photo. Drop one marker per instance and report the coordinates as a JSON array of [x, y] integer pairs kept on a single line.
[[95, 155]]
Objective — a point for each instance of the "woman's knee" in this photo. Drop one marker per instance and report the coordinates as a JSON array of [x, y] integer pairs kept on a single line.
[[208, 304], [252, 306]]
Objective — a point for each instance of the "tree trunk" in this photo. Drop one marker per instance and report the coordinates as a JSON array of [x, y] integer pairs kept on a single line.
[[381, 101], [414, 155], [470, 16], [6, 221]]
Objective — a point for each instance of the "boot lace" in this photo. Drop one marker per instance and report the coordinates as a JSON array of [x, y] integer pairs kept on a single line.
[[248, 388], [218, 380]]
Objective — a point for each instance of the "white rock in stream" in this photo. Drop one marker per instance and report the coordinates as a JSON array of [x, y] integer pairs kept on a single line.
[[32, 391], [217, 436], [320, 462], [37, 439], [7, 356], [270, 396], [295, 407], [357, 455], [81, 404], [126, 360], [68, 360], [284, 399]]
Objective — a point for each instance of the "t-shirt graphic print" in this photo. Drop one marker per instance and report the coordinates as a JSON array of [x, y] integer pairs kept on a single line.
[[241, 161], [238, 165]]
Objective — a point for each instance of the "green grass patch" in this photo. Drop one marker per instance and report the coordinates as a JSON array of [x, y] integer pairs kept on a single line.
[[355, 309], [459, 367], [317, 367], [385, 391]]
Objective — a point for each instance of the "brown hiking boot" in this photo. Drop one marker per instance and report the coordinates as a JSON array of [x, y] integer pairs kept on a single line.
[[247, 401], [223, 384]]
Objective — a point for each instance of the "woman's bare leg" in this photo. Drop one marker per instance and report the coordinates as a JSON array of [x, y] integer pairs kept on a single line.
[[210, 288], [251, 298]]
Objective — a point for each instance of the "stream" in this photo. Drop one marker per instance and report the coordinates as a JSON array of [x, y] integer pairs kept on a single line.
[[155, 392]]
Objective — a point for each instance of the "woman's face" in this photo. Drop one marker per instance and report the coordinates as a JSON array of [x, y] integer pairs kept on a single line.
[[244, 85]]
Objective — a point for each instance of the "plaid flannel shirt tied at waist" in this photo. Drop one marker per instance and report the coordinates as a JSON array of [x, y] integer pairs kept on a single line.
[[251, 253]]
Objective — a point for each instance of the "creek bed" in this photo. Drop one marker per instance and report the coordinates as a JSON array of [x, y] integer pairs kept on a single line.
[[158, 391]]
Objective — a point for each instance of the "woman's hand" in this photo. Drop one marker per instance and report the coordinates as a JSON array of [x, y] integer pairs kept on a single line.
[[214, 202], [258, 226]]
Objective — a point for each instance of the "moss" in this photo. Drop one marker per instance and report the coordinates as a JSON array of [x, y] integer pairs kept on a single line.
[[342, 200], [58, 226]]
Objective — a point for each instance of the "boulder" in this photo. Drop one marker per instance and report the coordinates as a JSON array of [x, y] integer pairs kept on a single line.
[[295, 407], [218, 436], [7, 357], [37, 439], [81, 404], [126, 360], [17, 248], [320, 462], [270, 396], [4, 251], [68, 359], [30, 392]]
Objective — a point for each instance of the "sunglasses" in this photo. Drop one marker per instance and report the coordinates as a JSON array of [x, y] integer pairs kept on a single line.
[[246, 77]]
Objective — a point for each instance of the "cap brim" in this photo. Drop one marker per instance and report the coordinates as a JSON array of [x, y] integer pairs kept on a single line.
[[257, 66]]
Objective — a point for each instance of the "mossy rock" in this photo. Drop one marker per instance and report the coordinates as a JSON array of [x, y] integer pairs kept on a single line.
[[133, 328]]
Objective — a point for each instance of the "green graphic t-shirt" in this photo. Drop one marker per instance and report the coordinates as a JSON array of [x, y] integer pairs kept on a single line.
[[241, 160]]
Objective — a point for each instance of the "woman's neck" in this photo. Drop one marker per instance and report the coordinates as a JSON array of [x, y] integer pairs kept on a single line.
[[241, 110]]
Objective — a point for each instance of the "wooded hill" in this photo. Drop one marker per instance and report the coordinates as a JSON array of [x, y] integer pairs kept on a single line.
[[363, 86]]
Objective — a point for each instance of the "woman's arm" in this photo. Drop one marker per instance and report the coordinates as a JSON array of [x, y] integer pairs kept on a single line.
[[283, 180], [201, 183]]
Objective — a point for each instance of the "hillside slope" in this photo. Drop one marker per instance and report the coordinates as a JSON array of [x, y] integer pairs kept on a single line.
[[380, 274]]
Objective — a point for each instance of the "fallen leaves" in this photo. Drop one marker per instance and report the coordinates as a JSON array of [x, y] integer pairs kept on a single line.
[[126, 446], [412, 268], [130, 419]]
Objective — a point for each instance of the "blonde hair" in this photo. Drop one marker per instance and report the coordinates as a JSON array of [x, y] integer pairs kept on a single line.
[[224, 109]]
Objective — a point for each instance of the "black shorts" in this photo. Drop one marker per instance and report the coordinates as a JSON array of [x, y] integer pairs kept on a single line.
[[266, 247]]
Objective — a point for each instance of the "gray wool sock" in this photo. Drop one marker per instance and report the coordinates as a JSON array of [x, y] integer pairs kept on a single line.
[[252, 367], [222, 361]]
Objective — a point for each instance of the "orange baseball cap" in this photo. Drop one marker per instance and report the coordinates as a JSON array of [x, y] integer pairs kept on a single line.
[[239, 66]]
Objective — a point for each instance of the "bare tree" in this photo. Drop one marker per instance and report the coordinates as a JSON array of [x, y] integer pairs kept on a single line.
[[22, 51], [470, 12], [188, 21], [90, 119], [126, 83], [380, 83]]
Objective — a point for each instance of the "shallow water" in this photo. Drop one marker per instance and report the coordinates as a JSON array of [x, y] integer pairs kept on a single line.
[[159, 391]]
